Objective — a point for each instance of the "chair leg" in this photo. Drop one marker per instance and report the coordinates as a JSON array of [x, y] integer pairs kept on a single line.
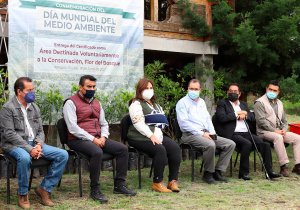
[[201, 167], [80, 178], [114, 168], [151, 170], [230, 166], [58, 185], [254, 159], [30, 179], [139, 171], [193, 166], [7, 182], [236, 159]]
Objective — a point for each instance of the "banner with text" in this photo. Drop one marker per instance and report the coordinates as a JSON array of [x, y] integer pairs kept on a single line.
[[57, 41]]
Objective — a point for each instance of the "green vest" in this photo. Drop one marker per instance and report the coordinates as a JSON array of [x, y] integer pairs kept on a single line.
[[133, 133]]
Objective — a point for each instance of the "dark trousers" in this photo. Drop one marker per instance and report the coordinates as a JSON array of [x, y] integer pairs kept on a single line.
[[166, 153], [244, 144], [117, 149]]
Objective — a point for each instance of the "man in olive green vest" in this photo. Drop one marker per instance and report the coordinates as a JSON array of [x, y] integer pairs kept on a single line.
[[271, 124]]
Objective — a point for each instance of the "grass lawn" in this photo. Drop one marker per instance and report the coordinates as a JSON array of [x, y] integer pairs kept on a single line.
[[258, 193]]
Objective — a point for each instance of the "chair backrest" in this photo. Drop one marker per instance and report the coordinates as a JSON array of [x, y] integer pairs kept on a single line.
[[62, 131], [177, 130], [125, 123]]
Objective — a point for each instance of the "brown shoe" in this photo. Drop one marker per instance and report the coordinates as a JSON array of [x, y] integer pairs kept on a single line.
[[173, 185], [45, 197], [284, 171], [296, 169], [24, 201], [160, 187]]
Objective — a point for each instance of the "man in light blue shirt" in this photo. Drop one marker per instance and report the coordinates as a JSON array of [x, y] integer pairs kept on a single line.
[[197, 129]]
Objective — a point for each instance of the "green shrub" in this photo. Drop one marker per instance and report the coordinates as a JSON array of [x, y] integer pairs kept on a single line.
[[290, 89], [50, 103], [115, 104], [4, 93], [292, 108]]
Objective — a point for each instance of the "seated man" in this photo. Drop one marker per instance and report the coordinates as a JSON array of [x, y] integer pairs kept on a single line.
[[22, 137], [271, 124], [198, 130], [229, 122], [88, 133]]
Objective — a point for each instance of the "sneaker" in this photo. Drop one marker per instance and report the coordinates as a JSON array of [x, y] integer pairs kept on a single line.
[[160, 187], [98, 196], [45, 196], [123, 189], [208, 178], [24, 201]]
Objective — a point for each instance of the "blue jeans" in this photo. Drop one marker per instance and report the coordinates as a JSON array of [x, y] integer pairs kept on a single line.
[[58, 158]]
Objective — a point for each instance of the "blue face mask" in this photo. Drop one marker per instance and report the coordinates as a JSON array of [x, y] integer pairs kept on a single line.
[[271, 95], [193, 94], [29, 97], [89, 93]]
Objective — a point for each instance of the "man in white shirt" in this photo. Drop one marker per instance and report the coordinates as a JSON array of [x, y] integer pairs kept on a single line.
[[198, 130]]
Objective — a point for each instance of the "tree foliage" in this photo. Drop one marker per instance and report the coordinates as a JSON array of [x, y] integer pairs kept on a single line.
[[258, 41], [191, 18]]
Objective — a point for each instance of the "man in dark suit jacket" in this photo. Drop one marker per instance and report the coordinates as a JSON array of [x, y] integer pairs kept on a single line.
[[229, 122]]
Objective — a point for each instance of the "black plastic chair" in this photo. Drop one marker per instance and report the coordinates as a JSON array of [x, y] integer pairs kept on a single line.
[[125, 123], [78, 156], [11, 164]]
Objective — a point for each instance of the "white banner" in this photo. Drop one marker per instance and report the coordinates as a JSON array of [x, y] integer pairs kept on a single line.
[[56, 42]]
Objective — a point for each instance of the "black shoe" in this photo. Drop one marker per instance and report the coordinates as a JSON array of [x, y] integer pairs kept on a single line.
[[208, 178], [123, 189], [244, 177], [273, 175], [98, 196], [219, 177]]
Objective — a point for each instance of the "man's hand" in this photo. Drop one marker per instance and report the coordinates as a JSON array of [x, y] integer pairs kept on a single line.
[[206, 135], [40, 150], [97, 141], [155, 140], [102, 141], [242, 115], [36, 151]]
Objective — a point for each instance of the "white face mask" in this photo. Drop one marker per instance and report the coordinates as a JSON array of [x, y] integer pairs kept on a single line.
[[147, 94]]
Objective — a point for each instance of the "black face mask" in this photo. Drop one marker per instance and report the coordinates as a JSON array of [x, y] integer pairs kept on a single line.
[[233, 97], [89, 93]]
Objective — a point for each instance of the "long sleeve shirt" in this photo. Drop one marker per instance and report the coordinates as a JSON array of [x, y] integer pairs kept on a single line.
[[70, 117], [193, 116]]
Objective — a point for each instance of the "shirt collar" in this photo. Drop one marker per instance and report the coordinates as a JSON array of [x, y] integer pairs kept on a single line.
[[233, 104], [28, 104]]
